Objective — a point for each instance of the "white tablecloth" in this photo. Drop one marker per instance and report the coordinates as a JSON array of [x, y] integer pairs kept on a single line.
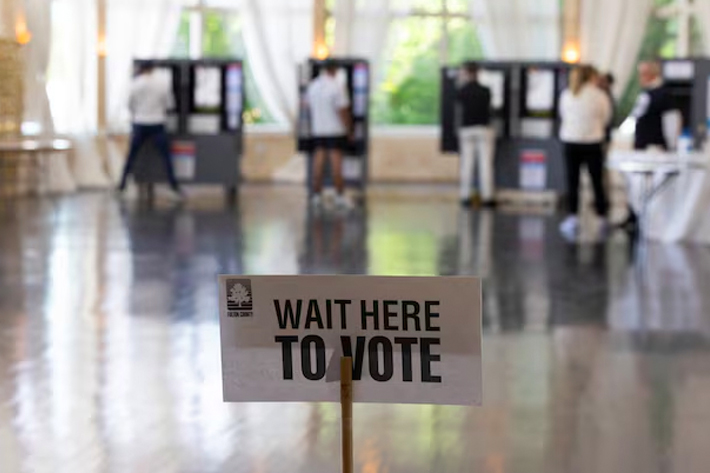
[[681, 212]]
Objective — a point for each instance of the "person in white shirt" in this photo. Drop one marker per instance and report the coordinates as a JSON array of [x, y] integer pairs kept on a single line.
[[329, 105], [150, 100], [585, 111]]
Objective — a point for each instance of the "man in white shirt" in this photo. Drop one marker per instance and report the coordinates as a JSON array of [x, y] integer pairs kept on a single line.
[[149, 102], [329, 107]]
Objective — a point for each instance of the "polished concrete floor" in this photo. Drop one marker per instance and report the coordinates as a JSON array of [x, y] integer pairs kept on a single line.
[[594, 361]]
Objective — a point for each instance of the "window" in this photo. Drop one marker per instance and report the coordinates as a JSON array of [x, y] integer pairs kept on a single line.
[[660, 41], [217, 33], [423, 36]]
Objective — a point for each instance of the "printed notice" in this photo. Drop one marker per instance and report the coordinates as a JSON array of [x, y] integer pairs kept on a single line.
[[411, 339]]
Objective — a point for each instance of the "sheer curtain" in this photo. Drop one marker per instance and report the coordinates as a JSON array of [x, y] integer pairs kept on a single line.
[[361, 30], [518, 29], [702, 13], [611, 35], [37, 112], [278, 35], [73, 87], [72, 66], [135, 29]]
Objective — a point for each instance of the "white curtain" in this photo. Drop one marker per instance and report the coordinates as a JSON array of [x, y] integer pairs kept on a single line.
[[518, 29], [73, 87], [71, 81], [37, 113], [278, 35], [611, 35], [702, 13], [361, 31], [135, 29]]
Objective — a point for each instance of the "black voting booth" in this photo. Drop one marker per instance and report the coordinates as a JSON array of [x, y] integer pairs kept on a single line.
[[689, 82], [355, 74], [205, 126], [525, 99]]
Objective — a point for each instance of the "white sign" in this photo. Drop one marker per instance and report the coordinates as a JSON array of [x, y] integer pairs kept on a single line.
[[495, 81], [540, 94], [412, 339], [533, 169], [183, 156], [352, 168], [679, 70]]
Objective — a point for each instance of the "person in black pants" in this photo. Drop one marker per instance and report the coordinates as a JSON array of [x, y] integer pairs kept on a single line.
[[585, 111], [658, 121], [150, 100]]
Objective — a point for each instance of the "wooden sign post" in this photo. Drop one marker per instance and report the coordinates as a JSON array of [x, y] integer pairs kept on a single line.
[[346, 412]]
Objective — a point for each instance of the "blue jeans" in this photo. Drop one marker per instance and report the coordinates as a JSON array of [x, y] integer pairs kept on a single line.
[[141, 134]]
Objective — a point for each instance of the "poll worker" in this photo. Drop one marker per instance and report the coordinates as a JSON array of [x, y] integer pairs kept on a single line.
[[585, 112], [476, 137], [150, 99], [658, 121], [331, 129]]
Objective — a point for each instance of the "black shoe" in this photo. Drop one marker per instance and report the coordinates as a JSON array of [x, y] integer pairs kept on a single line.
[[466, 203], [490, 204], [629, 225]]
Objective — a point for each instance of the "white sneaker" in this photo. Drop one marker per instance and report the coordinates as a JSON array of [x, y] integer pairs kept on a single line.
[[343, 202], [570, 227], [178, 196], [316, 200]]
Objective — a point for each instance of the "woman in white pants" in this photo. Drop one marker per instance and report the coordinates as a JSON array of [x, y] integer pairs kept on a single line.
[[476, 137]]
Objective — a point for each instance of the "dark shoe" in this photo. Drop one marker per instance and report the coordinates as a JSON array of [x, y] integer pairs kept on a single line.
[[466, 203], [629, 225], [490, 204]]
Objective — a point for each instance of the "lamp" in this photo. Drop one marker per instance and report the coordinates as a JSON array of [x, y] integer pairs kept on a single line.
[[101, 48], [571, 54], [22, 34], [322, 51]]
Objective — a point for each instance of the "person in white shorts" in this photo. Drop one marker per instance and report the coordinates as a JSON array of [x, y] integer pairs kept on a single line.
[[329, 107]]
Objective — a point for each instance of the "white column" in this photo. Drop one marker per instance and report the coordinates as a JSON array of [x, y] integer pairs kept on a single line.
[[685, 13], [101, 115], [197, 22]]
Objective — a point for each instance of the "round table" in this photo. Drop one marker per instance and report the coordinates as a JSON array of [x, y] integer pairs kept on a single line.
[[656, 171]]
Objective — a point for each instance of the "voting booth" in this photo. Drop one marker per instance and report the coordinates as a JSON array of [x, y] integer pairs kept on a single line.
[[354, 74], [688, 81], [525, 116], [205, 124]]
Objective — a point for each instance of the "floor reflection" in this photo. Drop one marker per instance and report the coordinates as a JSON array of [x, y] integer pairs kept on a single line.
[[109, 345]]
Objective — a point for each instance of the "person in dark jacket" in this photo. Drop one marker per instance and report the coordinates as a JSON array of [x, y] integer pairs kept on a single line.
[[476, 137], [658, 120]]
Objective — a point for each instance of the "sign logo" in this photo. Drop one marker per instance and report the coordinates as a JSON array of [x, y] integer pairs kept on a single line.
[[240, 302]]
